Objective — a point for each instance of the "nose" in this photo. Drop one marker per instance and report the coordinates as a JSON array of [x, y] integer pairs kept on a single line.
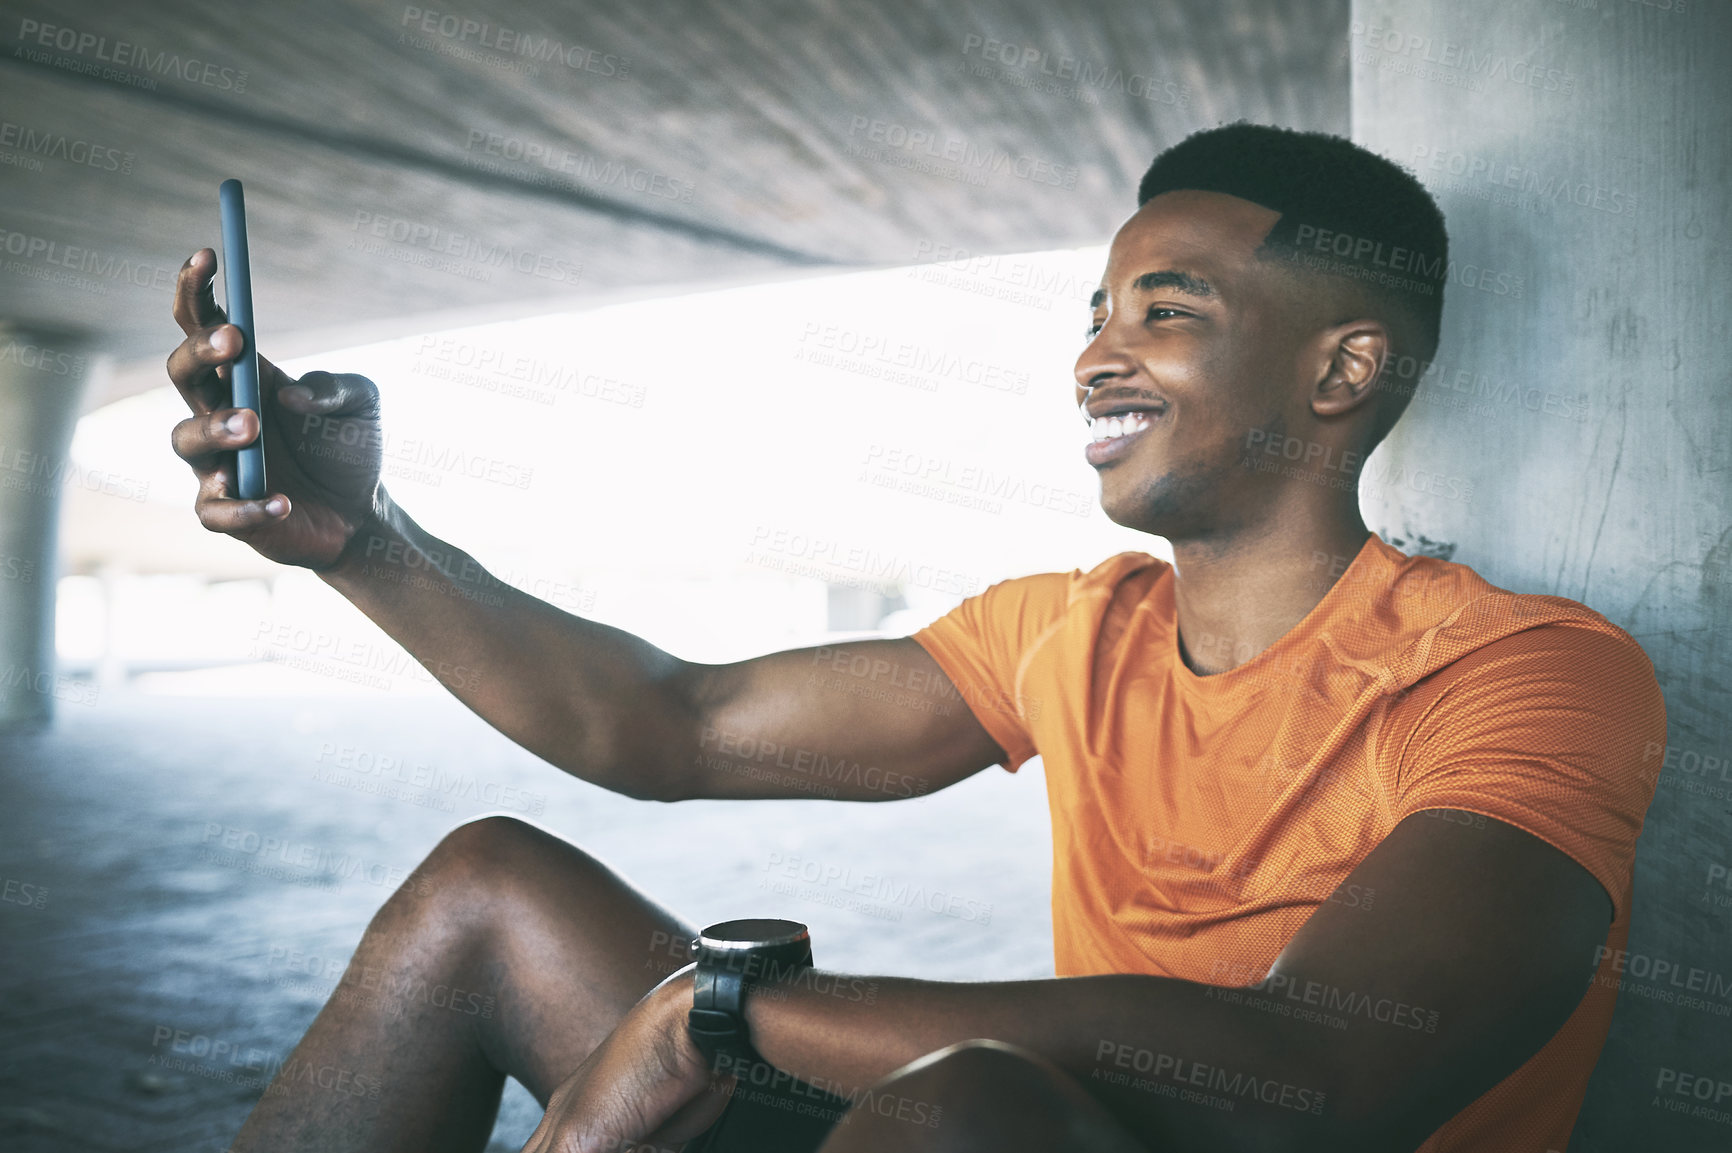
[[1103, 360]]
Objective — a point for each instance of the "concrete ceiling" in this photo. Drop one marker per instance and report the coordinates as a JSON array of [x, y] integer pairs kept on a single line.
[[406, 169]]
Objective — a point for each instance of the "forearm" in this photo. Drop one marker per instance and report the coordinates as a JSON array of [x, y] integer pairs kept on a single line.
[[593, 700], [1178, 1065]]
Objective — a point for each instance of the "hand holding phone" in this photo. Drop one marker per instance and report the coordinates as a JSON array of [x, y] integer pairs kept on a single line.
[[247, 411], [244, 373]]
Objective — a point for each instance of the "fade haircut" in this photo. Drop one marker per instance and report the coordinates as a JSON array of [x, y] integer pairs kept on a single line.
[[1345, 211]]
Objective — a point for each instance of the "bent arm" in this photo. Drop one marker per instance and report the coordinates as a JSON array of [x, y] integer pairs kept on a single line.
[[1480, 945], [614, 709]]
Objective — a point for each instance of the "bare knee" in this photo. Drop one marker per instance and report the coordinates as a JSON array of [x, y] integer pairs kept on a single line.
[[978, 1095], [487, 844], [478, 871]]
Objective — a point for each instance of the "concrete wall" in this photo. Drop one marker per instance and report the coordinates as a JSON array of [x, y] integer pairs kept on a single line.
[[1580, 153]]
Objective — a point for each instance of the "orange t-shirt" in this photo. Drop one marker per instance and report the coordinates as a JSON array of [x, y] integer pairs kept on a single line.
[[1199, 820]]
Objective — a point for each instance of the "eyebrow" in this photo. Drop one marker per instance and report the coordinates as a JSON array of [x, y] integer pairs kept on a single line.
[[1185, 282]]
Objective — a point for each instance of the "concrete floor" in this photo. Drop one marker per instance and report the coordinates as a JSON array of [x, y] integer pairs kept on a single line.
[[132, 934]]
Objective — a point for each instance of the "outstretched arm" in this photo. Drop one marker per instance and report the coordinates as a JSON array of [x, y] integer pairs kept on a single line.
[[837, 722], [594, 700]]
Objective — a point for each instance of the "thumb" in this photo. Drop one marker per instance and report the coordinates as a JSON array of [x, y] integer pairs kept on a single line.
[[697, 1115]]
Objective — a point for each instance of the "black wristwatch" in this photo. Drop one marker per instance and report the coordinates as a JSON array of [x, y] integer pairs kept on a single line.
[[732, 957]]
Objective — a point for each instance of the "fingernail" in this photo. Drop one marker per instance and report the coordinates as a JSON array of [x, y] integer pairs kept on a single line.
[[299, 393], [236, 423], [274, 506]]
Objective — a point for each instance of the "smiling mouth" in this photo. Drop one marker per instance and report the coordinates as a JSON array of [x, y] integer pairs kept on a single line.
[[1120, 424], [1111, 435]]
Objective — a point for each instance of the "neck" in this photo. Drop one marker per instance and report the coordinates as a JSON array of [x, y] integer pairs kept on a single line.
[[1237, 595]]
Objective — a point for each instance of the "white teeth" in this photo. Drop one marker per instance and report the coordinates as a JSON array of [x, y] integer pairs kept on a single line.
[[1110, 428]]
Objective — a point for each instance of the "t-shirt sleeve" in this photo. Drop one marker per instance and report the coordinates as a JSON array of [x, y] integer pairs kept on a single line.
[[981, 645], [1556, 730]]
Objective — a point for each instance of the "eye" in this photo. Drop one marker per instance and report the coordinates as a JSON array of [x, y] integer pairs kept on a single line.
[[1163, 308], [1091, 331]]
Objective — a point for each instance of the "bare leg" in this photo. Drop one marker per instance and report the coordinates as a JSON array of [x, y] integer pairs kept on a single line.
[[507, 952], [979, 1097]]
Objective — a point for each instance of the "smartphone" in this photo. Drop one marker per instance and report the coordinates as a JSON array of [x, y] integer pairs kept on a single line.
[[243, 373]]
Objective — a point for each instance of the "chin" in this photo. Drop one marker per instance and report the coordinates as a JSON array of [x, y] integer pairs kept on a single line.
[[1160, 505]]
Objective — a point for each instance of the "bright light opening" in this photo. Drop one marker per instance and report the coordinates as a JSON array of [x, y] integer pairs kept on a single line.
[[723, 473]]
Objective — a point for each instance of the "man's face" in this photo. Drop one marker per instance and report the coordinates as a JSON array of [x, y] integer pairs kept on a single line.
[[1196, 344]]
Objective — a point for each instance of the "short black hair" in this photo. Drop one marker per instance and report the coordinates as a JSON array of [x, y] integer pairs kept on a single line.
[[1345, 211]]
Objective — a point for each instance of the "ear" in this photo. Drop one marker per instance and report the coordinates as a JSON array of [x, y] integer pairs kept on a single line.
[[1357, 351]]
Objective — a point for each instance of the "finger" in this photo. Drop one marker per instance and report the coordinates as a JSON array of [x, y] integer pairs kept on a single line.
[[192, 365], [219, 513], [697, 1115], [195, 306], [199, 438]]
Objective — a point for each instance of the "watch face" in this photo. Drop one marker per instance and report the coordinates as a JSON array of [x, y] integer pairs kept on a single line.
[[753, 932]]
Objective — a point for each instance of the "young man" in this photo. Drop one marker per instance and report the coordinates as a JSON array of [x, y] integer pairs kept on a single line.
[[1401, 805]]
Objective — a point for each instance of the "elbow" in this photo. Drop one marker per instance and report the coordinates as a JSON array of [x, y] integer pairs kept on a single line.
[[626, 768], [649, 787], [644, 782]]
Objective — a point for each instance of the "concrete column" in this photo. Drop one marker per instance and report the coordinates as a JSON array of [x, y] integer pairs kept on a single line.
[[42, 380], [1576, 438]]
